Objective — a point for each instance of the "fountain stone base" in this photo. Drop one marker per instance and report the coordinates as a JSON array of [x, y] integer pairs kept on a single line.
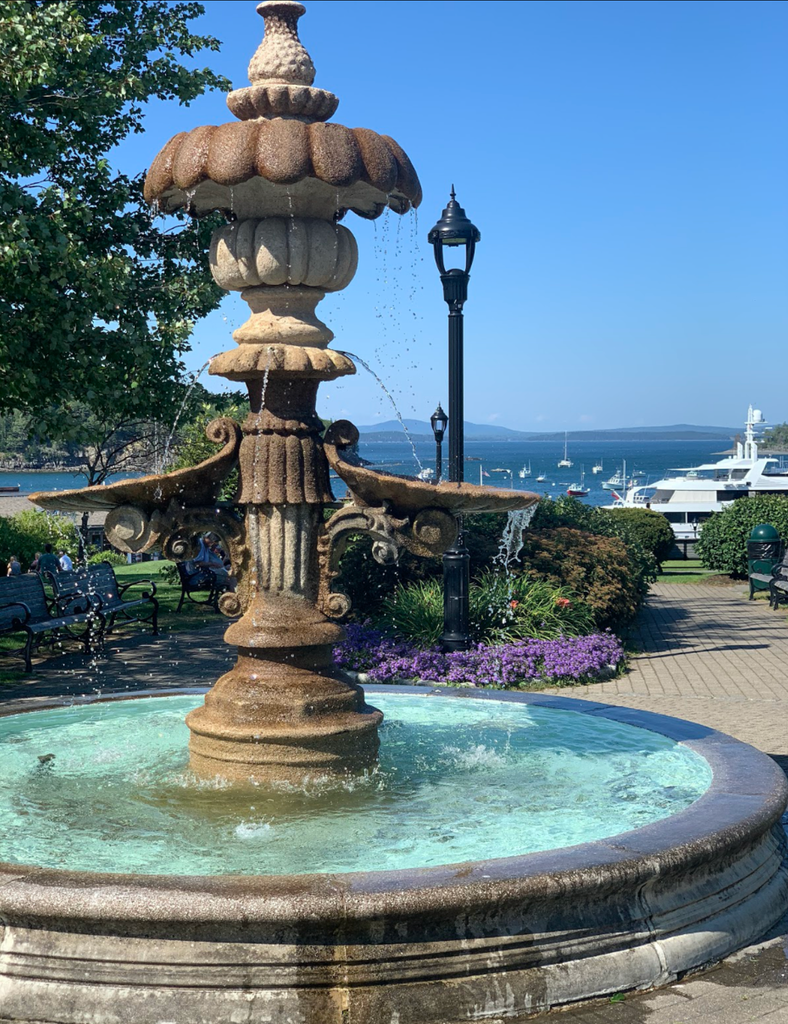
[[493, 939], [272, 717]]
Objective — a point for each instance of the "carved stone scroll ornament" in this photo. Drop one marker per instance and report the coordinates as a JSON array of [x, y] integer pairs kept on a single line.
[[426, 534], [176, 530]]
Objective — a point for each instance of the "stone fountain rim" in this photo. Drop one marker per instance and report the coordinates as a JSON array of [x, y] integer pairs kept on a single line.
[[746, 798]]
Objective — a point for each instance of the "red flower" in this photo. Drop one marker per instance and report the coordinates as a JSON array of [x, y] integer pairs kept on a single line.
[[563, 602], [513, 604]]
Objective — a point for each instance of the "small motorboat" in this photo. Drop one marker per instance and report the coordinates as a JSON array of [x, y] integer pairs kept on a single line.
[[598, 468], [579, 490], [525, 472]]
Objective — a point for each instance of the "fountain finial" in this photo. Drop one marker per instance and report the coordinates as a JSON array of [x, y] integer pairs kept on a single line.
[[281, 57], [282, 72]]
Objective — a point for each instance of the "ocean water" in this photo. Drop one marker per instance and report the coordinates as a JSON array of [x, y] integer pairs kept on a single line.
[[107, 787], [30, 481], [496, 461], [653, 458]]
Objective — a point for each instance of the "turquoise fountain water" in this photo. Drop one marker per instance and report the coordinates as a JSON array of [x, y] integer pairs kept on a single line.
[[458, 780]]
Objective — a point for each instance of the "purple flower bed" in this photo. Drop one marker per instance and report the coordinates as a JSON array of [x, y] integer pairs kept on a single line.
[[569, 659]]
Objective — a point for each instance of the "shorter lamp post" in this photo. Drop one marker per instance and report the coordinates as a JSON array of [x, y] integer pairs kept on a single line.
[[439, 421], [455, 230]]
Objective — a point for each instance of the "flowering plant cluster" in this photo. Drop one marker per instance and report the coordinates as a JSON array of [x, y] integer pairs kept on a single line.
[[524, 662]]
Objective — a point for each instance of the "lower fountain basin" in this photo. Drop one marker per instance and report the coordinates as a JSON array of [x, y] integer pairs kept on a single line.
[[494, 937]]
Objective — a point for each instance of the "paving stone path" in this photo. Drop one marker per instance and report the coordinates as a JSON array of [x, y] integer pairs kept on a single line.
[[712, 656]]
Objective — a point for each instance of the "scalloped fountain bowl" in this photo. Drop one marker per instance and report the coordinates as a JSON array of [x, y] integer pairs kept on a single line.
[[509, 885]]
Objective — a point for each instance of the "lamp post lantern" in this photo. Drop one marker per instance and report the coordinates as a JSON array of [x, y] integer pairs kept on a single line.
[[453, 230], [439, 421]]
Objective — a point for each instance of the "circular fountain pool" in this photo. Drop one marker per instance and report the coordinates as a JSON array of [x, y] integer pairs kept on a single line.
[[451, 884], [106, 787]]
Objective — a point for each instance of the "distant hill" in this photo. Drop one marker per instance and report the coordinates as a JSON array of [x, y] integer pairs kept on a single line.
[[391, 430], [473, 431]]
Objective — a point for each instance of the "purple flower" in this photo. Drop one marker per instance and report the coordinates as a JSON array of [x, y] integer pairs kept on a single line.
[[561, 661]]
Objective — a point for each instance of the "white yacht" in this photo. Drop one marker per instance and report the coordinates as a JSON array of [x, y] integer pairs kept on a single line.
[[694, 493]]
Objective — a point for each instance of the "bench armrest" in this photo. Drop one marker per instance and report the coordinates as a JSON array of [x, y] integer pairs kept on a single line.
[[66, 599], [18, 604], [123, 587]]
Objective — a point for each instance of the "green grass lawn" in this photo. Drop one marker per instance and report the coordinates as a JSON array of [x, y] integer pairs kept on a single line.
[[168, 594], [684, 571]]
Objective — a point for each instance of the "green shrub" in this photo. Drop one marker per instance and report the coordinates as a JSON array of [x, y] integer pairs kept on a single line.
[[597, 570], [370, 585], [569, 512], [501, 609], [565, 511], [114, 558], [650, 529], [27, 532], [722, 544]]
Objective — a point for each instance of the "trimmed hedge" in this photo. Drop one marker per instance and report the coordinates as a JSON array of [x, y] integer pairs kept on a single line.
[[650, 529], [722, 544]]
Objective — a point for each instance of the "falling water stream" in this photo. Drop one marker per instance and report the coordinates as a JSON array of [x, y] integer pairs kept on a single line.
[[368, 368]]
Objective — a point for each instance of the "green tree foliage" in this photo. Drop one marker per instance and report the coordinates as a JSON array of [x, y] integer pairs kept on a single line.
[[193, 447], [722, 544], [776, 437], [27, 532], [97, 298], [650, 529]]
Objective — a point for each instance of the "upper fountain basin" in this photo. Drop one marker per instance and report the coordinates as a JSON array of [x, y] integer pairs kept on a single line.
[[241, 167], [406, 494]]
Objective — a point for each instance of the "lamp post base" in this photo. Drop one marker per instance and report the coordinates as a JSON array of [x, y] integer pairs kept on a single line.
[[456, 588]]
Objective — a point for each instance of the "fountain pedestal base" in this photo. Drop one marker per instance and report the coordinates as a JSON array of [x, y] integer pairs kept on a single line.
[[275, 717]]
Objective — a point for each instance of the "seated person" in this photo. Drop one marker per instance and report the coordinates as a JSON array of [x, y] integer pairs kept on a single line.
[[208, 558]]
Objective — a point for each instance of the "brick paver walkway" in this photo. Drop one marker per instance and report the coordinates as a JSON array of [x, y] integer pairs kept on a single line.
[[712, 656]]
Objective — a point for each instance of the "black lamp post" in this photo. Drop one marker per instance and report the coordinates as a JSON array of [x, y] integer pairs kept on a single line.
[[454, 229], [439, 421]]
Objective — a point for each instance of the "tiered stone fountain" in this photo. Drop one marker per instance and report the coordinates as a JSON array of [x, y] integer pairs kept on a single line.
[[487, 939], [284, 178]]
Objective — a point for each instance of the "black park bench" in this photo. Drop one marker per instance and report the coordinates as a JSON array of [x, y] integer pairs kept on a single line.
[[99, 585], [26, 608], [775, 581], [195, 579]]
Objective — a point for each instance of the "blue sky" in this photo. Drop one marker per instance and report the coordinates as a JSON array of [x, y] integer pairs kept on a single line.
[[626, 165]]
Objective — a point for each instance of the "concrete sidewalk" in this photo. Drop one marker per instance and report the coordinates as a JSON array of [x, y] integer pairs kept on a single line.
[[708, 655]]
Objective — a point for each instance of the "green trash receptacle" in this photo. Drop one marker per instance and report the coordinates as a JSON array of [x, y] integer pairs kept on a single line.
[[764, 551]]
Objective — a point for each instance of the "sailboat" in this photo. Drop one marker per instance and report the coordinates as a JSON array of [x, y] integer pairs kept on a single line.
[[525, 472], [566, 462], [579, 490], [541, 478]]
